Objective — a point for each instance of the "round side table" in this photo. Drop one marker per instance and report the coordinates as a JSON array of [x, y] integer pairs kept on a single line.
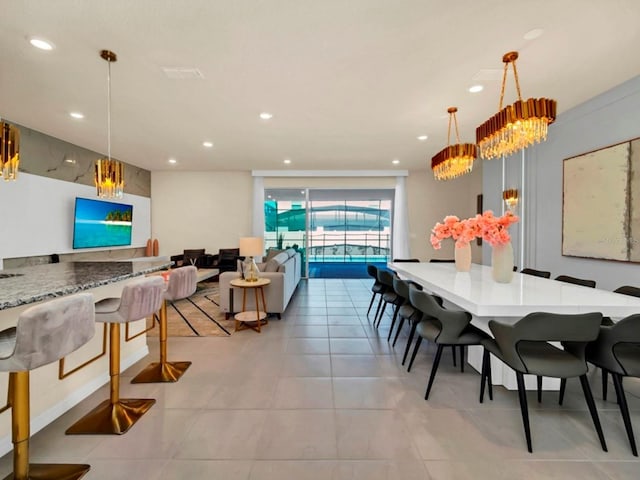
[[252, 319]]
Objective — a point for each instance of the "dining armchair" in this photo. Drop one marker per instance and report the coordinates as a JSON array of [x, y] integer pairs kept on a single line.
[[617, 352], [536, 273], [524, 346], [576, 281], [444, 328]]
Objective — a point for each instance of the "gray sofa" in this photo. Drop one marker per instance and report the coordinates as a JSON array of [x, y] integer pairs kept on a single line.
[[283, 269]]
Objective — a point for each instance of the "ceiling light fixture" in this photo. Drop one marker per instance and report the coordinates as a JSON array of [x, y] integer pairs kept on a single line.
[[266, 116], [453, 160], [109, 174], [172, 161], [41, 44], [9, 151], [422, 138], [287, 161], [515, 126], [207, 144], [476, 88], [395, 161], [76, 115], [533, 34]]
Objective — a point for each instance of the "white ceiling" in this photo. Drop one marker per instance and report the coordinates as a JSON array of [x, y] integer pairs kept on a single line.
[[351, 83]]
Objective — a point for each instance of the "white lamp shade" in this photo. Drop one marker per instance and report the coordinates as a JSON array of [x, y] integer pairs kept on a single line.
[[251, 246]]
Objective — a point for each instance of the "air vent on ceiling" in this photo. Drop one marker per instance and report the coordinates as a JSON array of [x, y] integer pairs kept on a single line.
[[183, 73]]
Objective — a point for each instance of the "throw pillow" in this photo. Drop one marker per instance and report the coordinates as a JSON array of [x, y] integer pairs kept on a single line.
[[272, 252]]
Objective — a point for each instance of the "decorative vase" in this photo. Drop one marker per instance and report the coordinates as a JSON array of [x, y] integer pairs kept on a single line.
[[462, 256], [502, 263]]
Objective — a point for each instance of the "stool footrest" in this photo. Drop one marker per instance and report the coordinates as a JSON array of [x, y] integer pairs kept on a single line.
[[112, 418], [54, 471], [162, 372]]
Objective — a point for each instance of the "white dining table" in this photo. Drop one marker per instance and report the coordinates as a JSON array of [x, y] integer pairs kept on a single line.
[[477, 293]]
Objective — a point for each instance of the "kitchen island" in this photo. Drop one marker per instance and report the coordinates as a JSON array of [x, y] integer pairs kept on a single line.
[[23, 287]]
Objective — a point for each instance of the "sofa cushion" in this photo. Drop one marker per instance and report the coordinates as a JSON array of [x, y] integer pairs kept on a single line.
[[272, 252], [273, 264]]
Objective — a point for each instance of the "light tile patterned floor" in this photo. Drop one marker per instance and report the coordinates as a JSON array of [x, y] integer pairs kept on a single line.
[[321, 395]]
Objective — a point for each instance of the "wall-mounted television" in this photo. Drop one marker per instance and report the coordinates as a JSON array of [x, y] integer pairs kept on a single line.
[[98, 223]]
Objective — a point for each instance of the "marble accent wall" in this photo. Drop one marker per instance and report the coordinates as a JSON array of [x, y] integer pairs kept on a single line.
[[50, 157], [101, 255]]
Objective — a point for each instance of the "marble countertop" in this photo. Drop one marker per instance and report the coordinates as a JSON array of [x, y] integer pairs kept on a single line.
[[21, 286]]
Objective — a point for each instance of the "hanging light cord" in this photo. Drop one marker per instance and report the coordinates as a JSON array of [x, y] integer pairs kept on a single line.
[[452, 114], [509, 59], [109, 109]]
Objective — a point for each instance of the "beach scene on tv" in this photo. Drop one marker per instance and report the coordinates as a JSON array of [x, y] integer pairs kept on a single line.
[[101, 224]]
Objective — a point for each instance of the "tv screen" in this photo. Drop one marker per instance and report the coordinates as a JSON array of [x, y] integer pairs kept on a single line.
[[98, 223]]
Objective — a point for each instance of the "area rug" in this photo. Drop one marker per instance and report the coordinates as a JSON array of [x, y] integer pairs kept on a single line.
[[197, 316]]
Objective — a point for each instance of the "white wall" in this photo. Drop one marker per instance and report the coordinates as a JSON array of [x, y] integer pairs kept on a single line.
[[430, 200], [37, 216], [212, 210], [607, 119], [209, 210]]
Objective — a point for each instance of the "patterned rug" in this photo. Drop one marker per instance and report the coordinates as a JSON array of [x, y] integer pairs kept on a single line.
[[197, 316]]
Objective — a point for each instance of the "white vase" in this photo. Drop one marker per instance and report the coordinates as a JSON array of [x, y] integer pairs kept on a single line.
[[462, 256], [502, 263]]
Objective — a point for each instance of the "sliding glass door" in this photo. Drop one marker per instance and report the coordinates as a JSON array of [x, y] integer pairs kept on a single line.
[[337, 231]]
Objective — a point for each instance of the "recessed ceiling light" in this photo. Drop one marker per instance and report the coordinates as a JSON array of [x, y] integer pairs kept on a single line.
[[266, 116], [533, 34], [207, 144], [41, 44], [76, 115], [287, 161], [173, 161], [476, 88], [422, 138], [395, 161], [70, 160]]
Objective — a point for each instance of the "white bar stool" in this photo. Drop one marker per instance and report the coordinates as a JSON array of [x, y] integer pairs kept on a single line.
[[182, 284], [44, 334], [116, 415]]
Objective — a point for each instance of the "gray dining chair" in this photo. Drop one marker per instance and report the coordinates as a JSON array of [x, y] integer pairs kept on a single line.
[[444, 328], [617, 352], [536, 273], [576, 281], [524, 346]]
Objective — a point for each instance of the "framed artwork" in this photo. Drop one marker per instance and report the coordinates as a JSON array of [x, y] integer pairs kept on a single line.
[[601, 204]]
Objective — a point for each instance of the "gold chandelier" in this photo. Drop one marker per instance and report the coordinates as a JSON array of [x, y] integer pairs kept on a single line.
[[109, 173], [453, 160], [9, 151], [516, 126]]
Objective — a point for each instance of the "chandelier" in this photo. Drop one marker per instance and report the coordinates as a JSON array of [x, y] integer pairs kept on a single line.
[[109, 173], [9, 151], [453, 160], [516, 126]]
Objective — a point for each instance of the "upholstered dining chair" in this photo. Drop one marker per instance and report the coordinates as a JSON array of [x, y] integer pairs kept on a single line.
[[536, 273], [624, 290], [576, 281], [376, 288], [442, 260], [389, 296], [524, 346], [617, 351], [406, 260], [444, 328]]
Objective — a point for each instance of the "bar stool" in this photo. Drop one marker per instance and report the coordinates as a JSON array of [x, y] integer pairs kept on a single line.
[[140, 299], [182, 284], [44, 334]]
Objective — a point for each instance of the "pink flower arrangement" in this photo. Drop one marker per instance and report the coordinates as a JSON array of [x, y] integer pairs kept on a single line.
[[486, 226]]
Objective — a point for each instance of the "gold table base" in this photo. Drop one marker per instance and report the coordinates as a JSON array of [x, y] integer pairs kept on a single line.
[[54, 471], [162, 372], [112, 418]]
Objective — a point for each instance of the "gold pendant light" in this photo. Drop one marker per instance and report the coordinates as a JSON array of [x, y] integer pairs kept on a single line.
[[109, 173], [516, 126], [9, 151], [453, 160]]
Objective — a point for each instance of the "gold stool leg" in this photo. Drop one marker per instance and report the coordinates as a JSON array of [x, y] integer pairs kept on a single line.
[[116, 415], [163, 371], [22, 470]]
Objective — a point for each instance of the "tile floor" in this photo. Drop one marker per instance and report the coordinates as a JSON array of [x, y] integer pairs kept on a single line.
[[321, 395]]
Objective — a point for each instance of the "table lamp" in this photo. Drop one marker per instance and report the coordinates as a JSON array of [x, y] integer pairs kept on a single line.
[[249, 248]]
